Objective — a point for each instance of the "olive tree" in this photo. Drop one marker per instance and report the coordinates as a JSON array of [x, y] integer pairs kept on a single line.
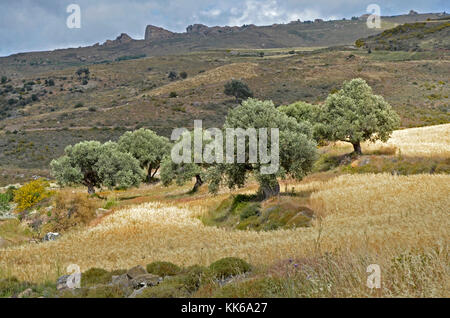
[[185, 171], [297, 150], [147, 147], [93, 164], [354, 114], [238, 89], [305, 112]]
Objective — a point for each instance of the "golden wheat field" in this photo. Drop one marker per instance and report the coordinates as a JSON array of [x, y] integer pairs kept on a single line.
[[379, 214], [421, 142]]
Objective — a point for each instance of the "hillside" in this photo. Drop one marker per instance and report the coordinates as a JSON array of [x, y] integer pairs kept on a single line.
[[46, 106], [419, 36], [160, 42]]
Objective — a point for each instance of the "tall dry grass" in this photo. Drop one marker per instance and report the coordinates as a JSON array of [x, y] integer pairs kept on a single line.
[[378, 215], [431, 141]]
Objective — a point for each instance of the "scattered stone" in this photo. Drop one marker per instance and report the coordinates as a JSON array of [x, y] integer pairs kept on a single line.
[[121, 280], [51, 236], [137, 292], [145, 280], [26, 293], [364, 161], [61, 282], [136, 271]]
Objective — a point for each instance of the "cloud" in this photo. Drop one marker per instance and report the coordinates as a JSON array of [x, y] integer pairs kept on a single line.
[[269, 12]]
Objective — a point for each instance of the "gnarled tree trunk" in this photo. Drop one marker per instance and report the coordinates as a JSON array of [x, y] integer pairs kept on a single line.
[[357, 148], [269, 190], [91, 189], [198, 183]]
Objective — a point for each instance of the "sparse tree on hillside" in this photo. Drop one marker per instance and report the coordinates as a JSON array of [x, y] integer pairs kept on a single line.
[[147, 147], [297, 150], [172, 75], [354, 114], [238, 89], [93, 164]]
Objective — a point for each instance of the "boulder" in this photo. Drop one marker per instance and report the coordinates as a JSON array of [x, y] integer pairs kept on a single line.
[[26, 293], [136, 271], [51, 236], [123, 282], [137, 292], [61, 282], [145, 280]]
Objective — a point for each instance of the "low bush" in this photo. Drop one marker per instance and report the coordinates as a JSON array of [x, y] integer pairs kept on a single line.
[[71, 210], [95, 276], [229, 266], [30, 194], [163, 269]]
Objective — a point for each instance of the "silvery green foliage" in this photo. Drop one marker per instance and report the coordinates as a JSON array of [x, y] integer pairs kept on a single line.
[[147, 147], [297, 149], [93, 164], [355, 114], [182, 172], [308, 113]]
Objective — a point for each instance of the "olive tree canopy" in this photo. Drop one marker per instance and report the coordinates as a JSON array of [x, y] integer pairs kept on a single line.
[[354, 114], [297, 149], [147, 147], [93, 164]]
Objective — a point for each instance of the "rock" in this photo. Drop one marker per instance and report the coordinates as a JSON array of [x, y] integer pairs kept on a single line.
[[121, 39], [145, 280], [26, 293], [364, 161], [51, 236], [121, 280], [136, 271], [137, 292], [101, 211], [155, 33], [61, 282]]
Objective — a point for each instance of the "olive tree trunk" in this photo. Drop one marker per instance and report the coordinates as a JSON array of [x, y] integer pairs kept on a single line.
[[357, 148], [91, 189], [269, 190], [198, 183]]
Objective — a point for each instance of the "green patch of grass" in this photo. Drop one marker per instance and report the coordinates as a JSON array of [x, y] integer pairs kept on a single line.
[[95, 276], [163, 269]]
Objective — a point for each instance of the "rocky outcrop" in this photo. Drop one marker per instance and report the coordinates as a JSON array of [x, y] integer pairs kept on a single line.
[[202, 29], [121, 39], [156, 33]]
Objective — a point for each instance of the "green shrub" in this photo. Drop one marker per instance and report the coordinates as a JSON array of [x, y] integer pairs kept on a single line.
[[173, 94], [105, 292], [163, 269], [167, 289], [229, 266], [249, 210], [12, 286], [95, 276]]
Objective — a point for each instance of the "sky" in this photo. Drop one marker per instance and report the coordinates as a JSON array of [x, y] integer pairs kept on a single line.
[[37, 25]]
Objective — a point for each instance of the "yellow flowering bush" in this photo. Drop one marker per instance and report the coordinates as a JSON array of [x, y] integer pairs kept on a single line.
[[31, 194]]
